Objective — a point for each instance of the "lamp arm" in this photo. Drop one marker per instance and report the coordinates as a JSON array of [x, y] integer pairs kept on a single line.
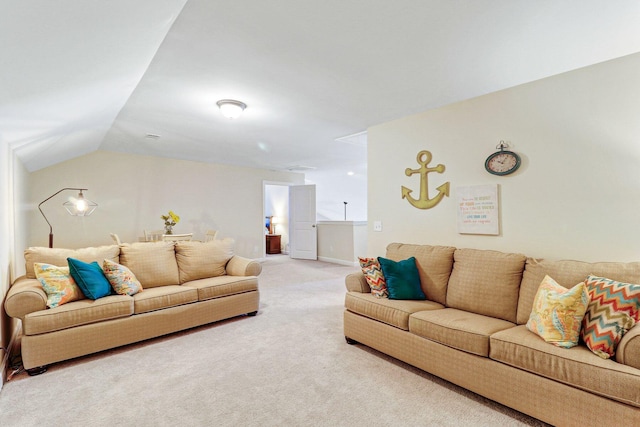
[[45, 217]]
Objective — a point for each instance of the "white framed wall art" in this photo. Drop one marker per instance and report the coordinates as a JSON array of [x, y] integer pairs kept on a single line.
[[478, 209]]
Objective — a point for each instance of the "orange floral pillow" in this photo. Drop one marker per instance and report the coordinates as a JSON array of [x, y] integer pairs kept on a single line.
[[122, 280], [558, 312], [57, 284]]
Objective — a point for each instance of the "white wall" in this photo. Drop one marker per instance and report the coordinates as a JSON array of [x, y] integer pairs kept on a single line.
[[334, 187], [132, 191], [22, 208], [13, 178], [577, 193], [342, 242], [5, 251]]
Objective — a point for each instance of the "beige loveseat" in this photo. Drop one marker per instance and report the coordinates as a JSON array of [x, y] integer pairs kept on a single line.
[[185, 284], [471, 331]]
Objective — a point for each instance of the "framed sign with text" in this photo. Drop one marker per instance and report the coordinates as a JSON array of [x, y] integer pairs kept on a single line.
[[478, 210]]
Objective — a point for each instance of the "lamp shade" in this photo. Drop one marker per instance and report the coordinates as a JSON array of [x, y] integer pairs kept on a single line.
[[77, 206], [80, 206]]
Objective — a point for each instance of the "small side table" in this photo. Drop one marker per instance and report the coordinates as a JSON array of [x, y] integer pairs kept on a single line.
[[273, 243]]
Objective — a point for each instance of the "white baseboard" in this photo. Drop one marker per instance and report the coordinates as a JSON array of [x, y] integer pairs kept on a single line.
[[338, 261]]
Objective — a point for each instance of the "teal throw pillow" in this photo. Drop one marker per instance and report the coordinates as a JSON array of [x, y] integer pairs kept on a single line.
[[403, 279], [89, 278]]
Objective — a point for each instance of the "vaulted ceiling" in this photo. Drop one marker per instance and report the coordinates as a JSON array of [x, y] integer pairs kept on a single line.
[[144, 76]]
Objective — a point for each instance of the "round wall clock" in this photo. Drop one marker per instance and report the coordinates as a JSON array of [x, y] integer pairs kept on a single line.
[[503, 162]]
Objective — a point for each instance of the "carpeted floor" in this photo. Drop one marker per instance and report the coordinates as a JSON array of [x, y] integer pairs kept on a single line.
[[288, 366]]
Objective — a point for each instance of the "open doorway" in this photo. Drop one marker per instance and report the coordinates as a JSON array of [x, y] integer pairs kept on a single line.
[[276, 218]]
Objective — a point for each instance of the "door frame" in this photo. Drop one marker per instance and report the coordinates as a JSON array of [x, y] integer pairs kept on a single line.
[[264, 211]]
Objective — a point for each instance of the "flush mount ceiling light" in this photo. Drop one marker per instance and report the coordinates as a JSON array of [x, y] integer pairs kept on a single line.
[[231, 108]]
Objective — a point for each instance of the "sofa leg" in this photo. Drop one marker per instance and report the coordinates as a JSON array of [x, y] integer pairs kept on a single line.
[[253, 313], [350, 341], [36, 371]]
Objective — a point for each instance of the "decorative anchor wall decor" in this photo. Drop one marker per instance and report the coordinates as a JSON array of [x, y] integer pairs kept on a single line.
[[424, 202]]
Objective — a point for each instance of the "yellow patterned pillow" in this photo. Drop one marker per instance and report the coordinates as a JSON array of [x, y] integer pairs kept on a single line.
[[57, 284], [557, 312]]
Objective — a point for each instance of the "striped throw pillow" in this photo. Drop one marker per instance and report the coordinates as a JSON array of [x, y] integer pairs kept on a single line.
[[614, 308], [373, 273]]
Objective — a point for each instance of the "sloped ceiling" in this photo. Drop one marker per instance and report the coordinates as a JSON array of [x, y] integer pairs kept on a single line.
[[82, 75]]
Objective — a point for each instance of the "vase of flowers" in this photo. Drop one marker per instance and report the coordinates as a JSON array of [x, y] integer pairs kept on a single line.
[[170, 220]]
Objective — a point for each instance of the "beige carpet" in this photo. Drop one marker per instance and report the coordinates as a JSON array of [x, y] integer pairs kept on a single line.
[[288, 366]]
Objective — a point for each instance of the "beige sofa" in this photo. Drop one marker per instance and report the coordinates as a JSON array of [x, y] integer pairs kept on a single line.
[[185, 284], [471, 331]]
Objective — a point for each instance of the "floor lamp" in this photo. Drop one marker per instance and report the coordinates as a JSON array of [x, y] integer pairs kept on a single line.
[[76, 207]]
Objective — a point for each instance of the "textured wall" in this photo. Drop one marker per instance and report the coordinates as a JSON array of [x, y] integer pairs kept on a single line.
[[132, 192], [576, 194]]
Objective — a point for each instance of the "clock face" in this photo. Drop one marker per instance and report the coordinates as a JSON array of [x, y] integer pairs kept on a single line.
[[502, 163]]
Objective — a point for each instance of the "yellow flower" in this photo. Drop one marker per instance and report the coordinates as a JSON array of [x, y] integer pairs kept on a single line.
[[170, 219]]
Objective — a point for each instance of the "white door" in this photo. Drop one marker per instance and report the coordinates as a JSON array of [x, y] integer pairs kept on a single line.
[[302, 219]]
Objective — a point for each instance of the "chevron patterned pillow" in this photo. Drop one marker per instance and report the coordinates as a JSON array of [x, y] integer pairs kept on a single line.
[[373, 273], [614, 308]]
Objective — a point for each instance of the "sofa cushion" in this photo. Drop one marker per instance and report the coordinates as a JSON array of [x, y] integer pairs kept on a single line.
[[486, 282], [57, 283], [161, 297], [222, 286], [434, 265], [567, 274], [577, 366], [153, 263], [122, 280], [373, 275], [198, 260], [402, 278], [458, 329], [614, 308], [558, 312], [90, 278], [78, 313], [392, 312], [58, 256]]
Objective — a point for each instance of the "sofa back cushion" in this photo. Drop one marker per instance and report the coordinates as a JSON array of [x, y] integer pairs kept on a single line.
[[568, 273], [486, 282], [434, 266], [58, 256], [153, 263], [197, 260]]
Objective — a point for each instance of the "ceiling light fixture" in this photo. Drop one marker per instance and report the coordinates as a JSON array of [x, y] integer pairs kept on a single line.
[[230, 108]]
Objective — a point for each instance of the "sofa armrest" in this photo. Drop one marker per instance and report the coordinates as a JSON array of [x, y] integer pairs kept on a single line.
[[628, 351], [356, 282], [25, 296], [240, 266]]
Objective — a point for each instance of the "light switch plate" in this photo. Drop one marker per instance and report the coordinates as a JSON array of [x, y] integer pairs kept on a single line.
[[377, 225]]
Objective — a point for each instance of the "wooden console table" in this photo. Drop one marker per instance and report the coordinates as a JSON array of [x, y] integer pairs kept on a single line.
[[273, 243]]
